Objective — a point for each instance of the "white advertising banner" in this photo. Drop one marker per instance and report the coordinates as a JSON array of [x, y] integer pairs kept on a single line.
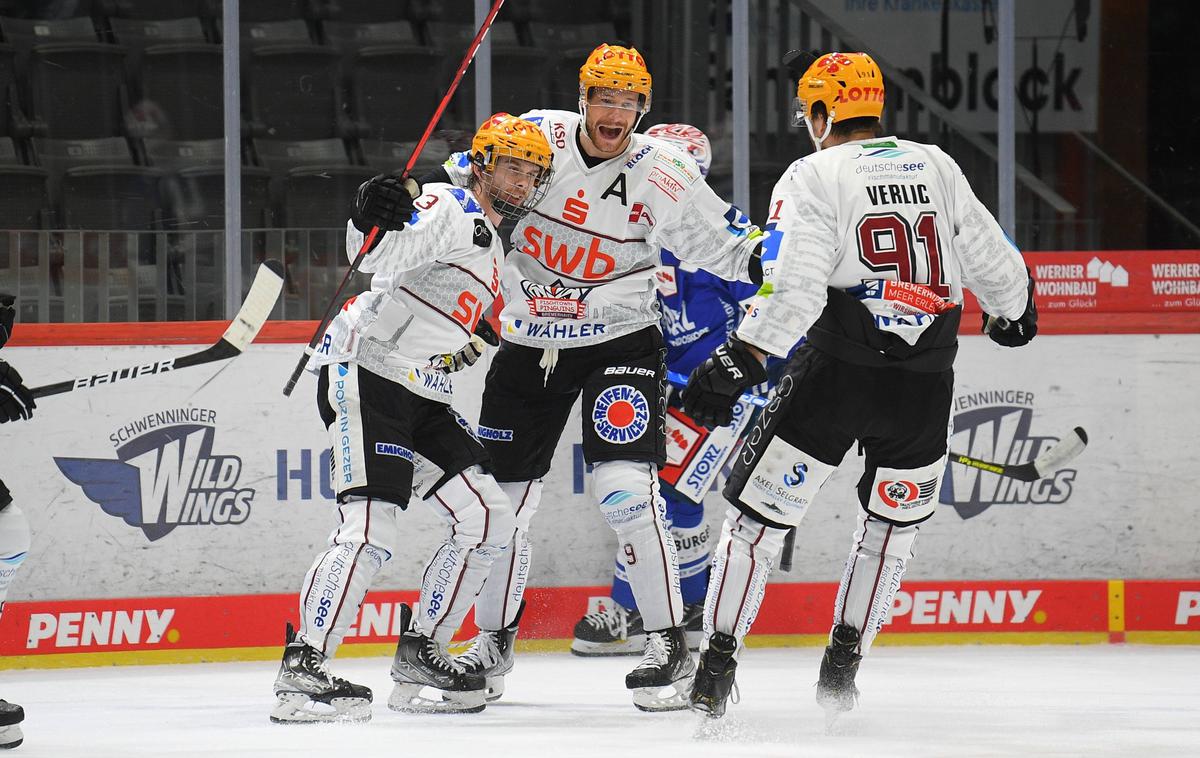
[[1057, 73], [210, 482]]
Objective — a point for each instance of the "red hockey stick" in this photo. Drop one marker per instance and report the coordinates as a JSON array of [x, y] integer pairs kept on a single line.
[[412, 159]]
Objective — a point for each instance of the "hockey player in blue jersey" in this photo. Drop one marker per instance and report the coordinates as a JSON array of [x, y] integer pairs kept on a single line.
[[698, 310]]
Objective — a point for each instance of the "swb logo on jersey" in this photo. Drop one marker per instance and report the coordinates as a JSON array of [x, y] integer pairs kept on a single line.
[[166, 477], [995, 425], [621, 414]]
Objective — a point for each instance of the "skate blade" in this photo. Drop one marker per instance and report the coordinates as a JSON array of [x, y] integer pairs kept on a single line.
[[299, 708], [673, 697], [407, 697], [10, 736], [709, 707], [635, 645], [492, 692]]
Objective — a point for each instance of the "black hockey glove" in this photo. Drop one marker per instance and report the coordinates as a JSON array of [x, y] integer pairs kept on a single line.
[[1014, 333], [716, 384], [16, 401], [8, 314], [469, 353], [385, 201]]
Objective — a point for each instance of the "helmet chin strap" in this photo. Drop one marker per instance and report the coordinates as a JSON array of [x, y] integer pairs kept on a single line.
[[818, 142]]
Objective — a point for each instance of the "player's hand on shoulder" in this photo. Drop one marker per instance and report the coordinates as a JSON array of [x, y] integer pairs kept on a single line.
[[384, 201], [717, 383], [1014, 333], [16, 401], [469, 353]]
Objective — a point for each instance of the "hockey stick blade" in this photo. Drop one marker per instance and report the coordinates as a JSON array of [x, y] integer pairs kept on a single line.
[[260, 300], [1046, 464]]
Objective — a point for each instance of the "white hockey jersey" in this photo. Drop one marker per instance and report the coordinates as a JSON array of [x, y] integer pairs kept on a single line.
[[431, 282], [581, 271], [874, 218]]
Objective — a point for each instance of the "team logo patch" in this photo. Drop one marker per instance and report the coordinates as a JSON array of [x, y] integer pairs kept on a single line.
[[799, 473], [394, 450], [905, 495], [555, 300], [621, 414]]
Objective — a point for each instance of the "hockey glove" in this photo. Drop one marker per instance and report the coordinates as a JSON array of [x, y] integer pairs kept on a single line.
[[469, 353], [16, 401], [8, 314], [717, 383], [1014, 333], [385, 201]]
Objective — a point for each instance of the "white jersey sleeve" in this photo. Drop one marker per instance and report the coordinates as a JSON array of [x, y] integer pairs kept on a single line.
[[704, 230], [434, 228], [799, 254]]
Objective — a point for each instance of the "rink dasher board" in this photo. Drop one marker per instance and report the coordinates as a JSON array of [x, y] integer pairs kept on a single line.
[[1119, 511], [54, 634]]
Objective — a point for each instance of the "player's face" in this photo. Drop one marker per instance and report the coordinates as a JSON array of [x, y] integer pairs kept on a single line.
[[611, 116], [514, 180]]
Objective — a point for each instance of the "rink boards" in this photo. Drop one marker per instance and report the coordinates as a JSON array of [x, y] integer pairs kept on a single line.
[[232, 492]]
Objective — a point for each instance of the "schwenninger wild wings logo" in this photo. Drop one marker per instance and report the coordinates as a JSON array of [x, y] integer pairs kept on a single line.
[[165, 474], [997, 425]]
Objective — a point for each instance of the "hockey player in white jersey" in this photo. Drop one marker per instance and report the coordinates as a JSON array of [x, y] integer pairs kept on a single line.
[[872, 240], [580, 318], [384, 394]]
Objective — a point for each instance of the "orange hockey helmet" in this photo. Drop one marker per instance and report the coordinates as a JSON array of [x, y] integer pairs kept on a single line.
[[505, 135], [615, 67], [849, 85]]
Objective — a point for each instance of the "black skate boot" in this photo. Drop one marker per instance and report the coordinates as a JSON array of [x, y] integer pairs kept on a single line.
[[836, 692], [421, 662], [666, 665], [491, 654], [307, 692], [715, 676], [693, 624], [615, 630], [11, 716]]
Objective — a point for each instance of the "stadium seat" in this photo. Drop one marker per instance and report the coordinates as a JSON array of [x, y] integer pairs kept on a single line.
[[392, 91], [77, 90], [295, 93], [385, 157], [268, 10], [138, 34], [160, 9], [184, 81], [258, 34], [24, 34], [364, 11], [24, 193], [319, 197], [351, 36]]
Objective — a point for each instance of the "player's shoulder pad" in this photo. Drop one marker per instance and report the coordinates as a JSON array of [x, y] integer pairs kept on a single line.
[[558, 126], [443, 203], [671, 157], [482, 235]]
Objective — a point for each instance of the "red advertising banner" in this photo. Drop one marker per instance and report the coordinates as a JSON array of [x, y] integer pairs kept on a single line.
[[1116, 281], [1162, 606]]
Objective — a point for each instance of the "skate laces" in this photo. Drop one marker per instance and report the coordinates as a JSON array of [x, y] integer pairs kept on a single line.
[[612, 619], [658, 651], [315, 663], [484, 651], [436, 657]]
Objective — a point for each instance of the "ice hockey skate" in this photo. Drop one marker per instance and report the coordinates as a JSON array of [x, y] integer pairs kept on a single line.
[[491, 654], [661, 682], [614, 630], [714, 683], [836, 692], [421, 666], [308, 693], [11, 716]]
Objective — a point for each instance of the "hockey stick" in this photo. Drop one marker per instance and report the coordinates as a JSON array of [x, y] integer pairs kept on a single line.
[[1070, 446], [369, 240], [259, 302]]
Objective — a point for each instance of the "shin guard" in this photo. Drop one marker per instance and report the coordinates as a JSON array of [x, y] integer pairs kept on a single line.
[[481, 524], [741, 564]]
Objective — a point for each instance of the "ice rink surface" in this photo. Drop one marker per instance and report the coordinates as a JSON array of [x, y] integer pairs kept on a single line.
[[1100, 700]]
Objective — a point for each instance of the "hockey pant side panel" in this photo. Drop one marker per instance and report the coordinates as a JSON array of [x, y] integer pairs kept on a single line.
[[504, 587], [743, 560], [14, 546], [631, 503], [693, 545], [873, 572], [339, 578], [481, 525]]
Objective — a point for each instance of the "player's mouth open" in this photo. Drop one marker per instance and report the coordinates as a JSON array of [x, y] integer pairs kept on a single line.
[[610, 132]]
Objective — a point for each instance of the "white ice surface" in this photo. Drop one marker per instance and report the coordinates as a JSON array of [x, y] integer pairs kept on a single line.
[[1103, 700]]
